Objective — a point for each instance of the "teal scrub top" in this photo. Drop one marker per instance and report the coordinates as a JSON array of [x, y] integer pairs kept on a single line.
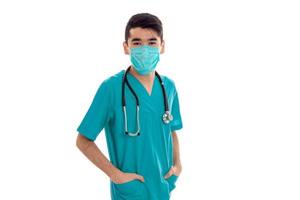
[[151, 153]]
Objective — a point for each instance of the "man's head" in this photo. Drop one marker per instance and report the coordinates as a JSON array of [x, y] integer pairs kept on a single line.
[[143, 29]]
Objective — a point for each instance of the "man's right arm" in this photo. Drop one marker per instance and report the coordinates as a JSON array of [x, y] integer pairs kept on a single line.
[[93, 153]]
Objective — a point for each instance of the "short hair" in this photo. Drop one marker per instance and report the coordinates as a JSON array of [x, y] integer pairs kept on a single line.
[[144, 20]]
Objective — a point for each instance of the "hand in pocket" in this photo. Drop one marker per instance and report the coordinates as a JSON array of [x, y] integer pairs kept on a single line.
[[123, 177], [174, 170]]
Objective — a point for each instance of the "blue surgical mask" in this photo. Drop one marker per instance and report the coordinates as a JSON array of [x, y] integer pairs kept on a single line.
[[144, 58]]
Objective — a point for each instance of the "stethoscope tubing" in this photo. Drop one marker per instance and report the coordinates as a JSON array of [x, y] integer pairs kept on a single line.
[[166, 116]]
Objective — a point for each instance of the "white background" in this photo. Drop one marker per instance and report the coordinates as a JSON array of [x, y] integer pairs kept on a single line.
[[236, 68]]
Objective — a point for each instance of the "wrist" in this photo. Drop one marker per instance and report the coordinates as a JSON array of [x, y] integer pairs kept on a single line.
[[114, 173], [177, 168], [177, 164]]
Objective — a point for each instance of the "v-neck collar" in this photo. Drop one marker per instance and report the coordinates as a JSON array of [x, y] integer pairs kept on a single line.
[[141, 86]]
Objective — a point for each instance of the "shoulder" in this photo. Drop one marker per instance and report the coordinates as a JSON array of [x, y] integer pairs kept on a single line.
[[169, 84], [168, 81], [107, 86], [113, 80]]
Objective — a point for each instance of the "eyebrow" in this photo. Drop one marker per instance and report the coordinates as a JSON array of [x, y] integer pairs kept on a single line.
[[138, 39], [152, 39]]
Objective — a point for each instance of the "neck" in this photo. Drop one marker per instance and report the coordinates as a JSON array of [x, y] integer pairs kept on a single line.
[[143, 78]]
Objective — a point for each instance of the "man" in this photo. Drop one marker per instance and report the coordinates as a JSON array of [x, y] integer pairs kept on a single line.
[[143, 166]]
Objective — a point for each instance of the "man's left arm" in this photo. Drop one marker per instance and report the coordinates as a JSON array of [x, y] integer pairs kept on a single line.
[[176, 155], [176, 124], [176, 167]]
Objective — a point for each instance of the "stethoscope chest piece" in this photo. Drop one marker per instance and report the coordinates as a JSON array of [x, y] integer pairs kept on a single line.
[[167, 117]]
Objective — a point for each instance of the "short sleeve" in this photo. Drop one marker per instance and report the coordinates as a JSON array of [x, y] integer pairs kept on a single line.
[[98, 114], [176, 123]]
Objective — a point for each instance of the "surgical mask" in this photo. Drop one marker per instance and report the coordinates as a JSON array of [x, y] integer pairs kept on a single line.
[[144, 58]]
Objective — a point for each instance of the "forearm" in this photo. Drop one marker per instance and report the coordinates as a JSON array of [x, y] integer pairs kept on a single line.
[[176, 152], [93, 153]]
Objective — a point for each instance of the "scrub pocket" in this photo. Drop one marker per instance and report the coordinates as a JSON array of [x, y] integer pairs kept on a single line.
[[131, 190], [172, 180]]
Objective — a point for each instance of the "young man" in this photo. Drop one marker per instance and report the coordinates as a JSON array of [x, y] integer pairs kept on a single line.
[[140, 113]]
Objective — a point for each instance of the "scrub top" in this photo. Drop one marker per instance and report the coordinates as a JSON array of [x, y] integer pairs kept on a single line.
[[151, 153]]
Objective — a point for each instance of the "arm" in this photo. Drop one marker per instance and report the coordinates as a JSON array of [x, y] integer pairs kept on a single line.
[[93, 153], [176, 167], [176, 155]]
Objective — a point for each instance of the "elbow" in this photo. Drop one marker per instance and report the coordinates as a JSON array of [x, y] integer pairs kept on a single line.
[[82, 142], [78, 141]]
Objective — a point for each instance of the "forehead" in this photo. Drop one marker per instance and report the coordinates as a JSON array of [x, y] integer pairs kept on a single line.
[[143, 33]]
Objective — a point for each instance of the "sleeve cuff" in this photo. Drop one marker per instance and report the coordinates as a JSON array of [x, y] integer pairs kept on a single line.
[[176, 127], [86, 133]]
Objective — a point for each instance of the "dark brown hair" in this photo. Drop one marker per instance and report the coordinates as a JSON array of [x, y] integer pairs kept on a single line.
[[144, 20]]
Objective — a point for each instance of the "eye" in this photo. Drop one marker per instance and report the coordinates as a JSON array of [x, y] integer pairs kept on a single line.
[[136, 43], [152, 43]]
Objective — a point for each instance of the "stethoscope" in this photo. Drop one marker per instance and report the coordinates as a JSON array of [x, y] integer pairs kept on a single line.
[[167, 116]]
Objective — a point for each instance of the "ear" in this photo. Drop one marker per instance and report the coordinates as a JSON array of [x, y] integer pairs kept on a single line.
[[162, 49], [126, 48]]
